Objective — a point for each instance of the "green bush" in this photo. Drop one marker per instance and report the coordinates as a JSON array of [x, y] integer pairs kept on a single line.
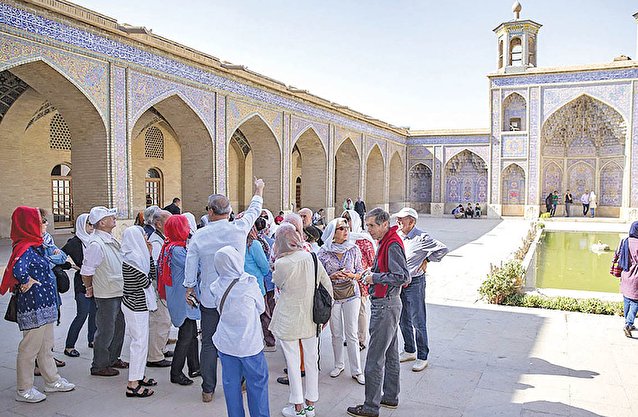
[[583, 305], [502, 282]]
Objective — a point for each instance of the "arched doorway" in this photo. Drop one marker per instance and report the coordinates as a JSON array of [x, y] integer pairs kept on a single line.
[[465, 180], [582, 149], [397, 183], [420, 188], [61, 196], [513, 191], [312, 166], [375, 179], [43, 117], [347, 180], [254, 151]]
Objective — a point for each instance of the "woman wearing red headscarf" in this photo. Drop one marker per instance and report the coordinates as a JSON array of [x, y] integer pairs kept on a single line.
[[29, 271], [171, 263]]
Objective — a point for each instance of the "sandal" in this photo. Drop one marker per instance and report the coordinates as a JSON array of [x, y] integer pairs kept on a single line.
[[135, 392], [147, 382]]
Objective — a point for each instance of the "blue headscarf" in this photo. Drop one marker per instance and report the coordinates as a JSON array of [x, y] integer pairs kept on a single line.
[[623, 261]]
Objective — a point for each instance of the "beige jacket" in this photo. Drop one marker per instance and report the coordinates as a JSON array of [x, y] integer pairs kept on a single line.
[[294, 275]]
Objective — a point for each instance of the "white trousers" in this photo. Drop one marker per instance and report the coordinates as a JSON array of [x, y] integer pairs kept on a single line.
[[293, 362], [36, 344], [344, 319], [160, 327], [137, 328]]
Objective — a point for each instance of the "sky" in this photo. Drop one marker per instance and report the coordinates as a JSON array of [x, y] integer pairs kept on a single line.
[[421, 64]]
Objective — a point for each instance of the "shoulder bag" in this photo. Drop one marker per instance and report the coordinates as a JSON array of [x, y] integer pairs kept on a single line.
[[223, 300], [12, 309], [322, 301]]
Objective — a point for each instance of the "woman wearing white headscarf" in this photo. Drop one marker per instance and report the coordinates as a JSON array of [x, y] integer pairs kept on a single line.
[[342, 260], [270, 220], [138, 268], [192, 223], [239, 338], [367, 246], [85, 307], [292, 323]]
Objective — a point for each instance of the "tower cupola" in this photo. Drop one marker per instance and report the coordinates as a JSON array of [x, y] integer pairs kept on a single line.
[[517, 41]]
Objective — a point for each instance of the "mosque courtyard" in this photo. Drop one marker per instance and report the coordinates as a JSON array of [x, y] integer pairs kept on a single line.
[[485, 360]]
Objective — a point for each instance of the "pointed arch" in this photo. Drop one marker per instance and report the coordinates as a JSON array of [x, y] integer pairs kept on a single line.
[[347, 175], [571, 100], [189, 165], [314, 131], [375, 178], [514, 112], [250, 118], [87, 130], [397, 182], [465, 180], [420, 187], [513, 190], [264, 160], [611, 180], [376, 145], [313, 169]]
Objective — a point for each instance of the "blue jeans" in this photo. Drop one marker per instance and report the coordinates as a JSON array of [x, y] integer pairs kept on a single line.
[[208, 354], [593, 211], [413, 318], [254, 369], [631, 309], [382, 364], [85, 308]]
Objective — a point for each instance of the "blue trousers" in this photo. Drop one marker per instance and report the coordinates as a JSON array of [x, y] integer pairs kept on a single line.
[[208, 353], [414, 318], [254, 369], [85, 308], [631, 309]]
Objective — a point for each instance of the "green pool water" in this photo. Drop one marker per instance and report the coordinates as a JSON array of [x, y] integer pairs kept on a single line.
[[564, 260]]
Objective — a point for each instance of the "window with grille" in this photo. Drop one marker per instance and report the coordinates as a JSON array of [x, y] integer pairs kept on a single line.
[[59, 135], [154, 143]]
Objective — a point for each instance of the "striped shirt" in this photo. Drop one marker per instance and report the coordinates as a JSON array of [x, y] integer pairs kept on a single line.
[[134, 283], [419, 246]]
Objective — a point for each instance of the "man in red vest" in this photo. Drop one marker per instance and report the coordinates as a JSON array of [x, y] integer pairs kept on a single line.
[[389, 274]]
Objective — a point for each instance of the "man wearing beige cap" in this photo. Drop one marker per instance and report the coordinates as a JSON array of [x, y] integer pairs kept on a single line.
[[420, 249], [102, 276]]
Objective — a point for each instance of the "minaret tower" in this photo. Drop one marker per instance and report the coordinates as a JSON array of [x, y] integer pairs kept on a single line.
[[517, 40], [636, 17]]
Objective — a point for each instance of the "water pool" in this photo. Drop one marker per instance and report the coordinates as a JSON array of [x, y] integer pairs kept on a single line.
[[564, 260]]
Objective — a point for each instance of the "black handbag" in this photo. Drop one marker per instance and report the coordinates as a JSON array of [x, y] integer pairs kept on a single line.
[[322, 301], [61, 279], [12, 308]]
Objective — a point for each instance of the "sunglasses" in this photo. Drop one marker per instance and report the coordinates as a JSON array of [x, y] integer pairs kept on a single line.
[[341, 228], [45, 221]]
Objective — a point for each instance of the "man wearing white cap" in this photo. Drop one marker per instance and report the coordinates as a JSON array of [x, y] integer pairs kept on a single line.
[[420, 249], [102, 276]]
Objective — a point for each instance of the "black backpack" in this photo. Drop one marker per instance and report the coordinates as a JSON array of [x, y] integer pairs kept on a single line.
[[322, 301]]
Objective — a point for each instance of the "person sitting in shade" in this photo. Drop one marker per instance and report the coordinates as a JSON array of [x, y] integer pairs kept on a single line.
[[477, 210], [469, 211], [458, 211]]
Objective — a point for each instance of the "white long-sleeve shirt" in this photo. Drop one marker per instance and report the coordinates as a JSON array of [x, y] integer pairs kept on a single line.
[[239, 330], [208, 240]]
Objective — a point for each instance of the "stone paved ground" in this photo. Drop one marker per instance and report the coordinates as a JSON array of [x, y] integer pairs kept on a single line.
[[485, 360]]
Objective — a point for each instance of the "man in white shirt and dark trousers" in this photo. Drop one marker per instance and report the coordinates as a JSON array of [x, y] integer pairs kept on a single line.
[[159, 320], [102, 276], [420, 249], [219, 232]]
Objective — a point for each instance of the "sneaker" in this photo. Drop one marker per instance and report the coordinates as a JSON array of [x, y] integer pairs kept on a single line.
[[419, 365], [336, 372], [360, 379], [627, 330], [61, 385], [358, 411], [389, 404], [406, 356], [310, 410], [31, 395], [290, 411]]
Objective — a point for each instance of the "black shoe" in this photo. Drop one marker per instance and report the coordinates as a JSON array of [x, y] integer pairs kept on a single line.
[[283, 380], [72, 353], [105, 372], [358, 411], [389, 404], [168, 354], [91, 345], [627, 330], [159, 364], [181, 380], [194, 374]]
